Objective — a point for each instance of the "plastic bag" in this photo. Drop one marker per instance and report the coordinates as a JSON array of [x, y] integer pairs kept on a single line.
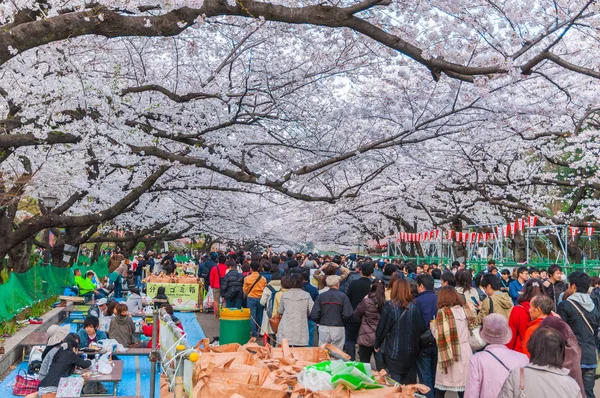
[[353, 375], [315, 380], [104, 366], [36, 353], [110, 344]]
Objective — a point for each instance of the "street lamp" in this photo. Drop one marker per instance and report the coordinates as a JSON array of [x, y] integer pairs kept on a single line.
[[50, 201]]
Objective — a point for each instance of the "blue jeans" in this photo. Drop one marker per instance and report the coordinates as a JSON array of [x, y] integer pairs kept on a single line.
[[138, 281], [119, 287], [426, 364], [311, 332], [256, 313], [235, 303]]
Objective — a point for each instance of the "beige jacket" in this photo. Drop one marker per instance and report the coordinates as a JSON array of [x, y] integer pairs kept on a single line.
[[540, 382], [502, 305]]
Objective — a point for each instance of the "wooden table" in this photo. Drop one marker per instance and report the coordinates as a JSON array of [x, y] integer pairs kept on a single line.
[[36, 338], [114, 377]]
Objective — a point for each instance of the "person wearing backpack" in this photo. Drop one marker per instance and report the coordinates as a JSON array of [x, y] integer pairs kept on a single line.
[[580, 313], [254, 285], [267, 300], [231, 286]]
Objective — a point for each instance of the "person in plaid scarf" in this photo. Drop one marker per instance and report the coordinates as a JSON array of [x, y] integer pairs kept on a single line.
[[451, 331]]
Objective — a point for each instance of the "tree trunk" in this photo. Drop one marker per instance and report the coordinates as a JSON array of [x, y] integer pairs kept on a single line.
[[519, 246], [96, 252], [18, 257], [460, 249]]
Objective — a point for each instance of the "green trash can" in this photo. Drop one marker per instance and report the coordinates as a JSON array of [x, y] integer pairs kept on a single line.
[[235, 326]]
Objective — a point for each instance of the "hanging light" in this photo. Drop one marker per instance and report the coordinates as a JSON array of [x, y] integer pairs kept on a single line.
[[50, 201]]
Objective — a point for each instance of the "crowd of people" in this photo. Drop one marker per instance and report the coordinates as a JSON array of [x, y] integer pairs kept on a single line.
[[497, 333]]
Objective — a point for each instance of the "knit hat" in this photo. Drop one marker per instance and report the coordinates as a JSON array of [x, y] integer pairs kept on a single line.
[[495, 330], [332, 280]]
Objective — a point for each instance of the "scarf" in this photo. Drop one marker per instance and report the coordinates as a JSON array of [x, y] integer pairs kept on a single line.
[[447, 339]]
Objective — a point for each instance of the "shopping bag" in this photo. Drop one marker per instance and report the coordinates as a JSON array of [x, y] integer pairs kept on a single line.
[[475, 340], [69, 387], [25, 384]]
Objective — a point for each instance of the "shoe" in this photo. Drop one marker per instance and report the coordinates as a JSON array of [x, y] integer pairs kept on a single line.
[[36, 321]]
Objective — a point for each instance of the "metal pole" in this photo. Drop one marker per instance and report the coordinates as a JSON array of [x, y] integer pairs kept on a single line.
[[154, 355]]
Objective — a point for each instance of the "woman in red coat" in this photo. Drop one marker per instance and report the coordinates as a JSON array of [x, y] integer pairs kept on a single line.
[[519, 315]]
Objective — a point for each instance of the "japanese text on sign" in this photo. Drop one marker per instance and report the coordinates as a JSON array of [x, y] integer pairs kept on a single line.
[[182, 296]]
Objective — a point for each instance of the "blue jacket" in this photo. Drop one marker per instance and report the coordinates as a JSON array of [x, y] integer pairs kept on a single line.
[[513, 290], [310, 289], [427, 303], [83, 337]]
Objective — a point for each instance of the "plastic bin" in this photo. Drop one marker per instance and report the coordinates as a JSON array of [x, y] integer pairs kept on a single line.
[[235, 326]]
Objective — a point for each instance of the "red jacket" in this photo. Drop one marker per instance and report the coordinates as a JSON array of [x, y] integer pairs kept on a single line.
[[216, 274], [518, 321]]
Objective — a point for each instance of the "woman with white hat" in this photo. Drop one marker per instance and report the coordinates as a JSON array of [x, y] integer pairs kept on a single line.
[[489, 368]]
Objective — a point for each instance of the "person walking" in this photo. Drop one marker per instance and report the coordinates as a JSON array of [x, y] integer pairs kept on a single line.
[[489, 368], [330, 311], [397, 334], [267, 301], [357, 290], [544, 376], [451, 332], [580, 313], [254, 285], [217, 273], [519, 316], [368, 313], [541, 307], [465, 288], [514, 288], [427, 300], [554, 286], [232, 286], [295, 307], [496, 300], [572, 350]]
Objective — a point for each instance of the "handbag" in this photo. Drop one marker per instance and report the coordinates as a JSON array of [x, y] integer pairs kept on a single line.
[[69, 387], [426, 339], [475, 340], [274, 322], [24, 384]]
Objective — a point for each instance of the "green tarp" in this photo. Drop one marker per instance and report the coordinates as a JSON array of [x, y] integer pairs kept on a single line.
[[39, 283]]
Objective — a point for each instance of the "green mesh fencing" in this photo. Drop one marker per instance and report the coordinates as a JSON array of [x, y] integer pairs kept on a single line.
[[182, 258], [21, 291]]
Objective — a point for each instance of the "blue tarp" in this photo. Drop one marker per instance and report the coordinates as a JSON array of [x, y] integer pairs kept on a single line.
[[135, 369]]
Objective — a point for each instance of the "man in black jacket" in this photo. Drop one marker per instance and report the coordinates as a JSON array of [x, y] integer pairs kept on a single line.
[[358, 289], [330, 311], [579, 311], [554, 286]]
